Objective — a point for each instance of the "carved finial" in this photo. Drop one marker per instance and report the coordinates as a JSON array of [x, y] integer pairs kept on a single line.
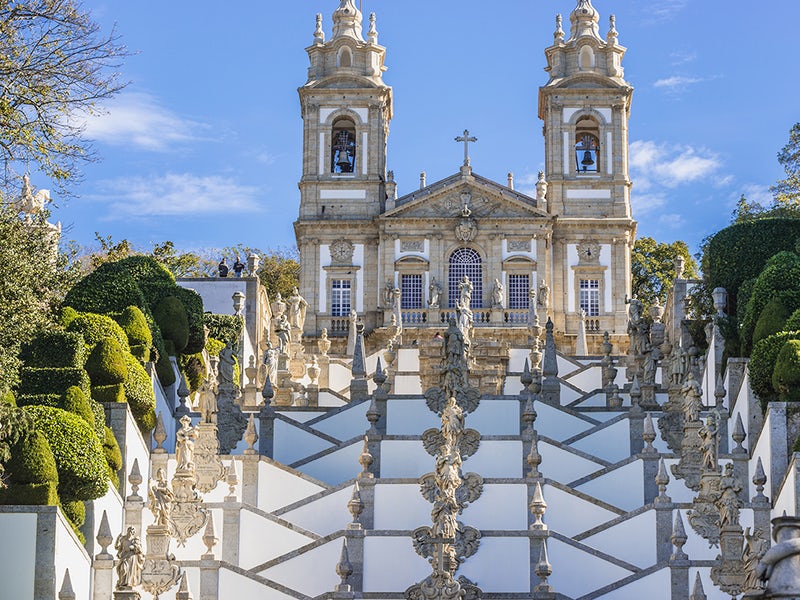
[[135, 479], [232, 479], [529, 417], [678, 538], [719, 391], [662, 481], [526, 379], [698, 593], [372, 34], [538, 507], [760, 480], [543, 570], [268, 392], [373, 416], [649, 435], [558, 34], [365, 460], [359, 369], [209, 537], [319, 33], [66, 592], [183, 394], [251, 436], [534, 458], [344, 569], [739, 435], [356, 506], [184, 593], [104, 538], [611, 37], [160, 435], [636, 395]]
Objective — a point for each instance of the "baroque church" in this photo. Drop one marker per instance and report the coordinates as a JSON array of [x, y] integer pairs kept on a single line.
[[459, 402]]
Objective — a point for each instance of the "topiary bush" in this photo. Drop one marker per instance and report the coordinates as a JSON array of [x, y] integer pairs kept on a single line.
[[76, 402], [192, 304], [134, 324], [762, 365], [81, 465], [107, 394], [786, 374], [793, 322], [52, 380], [54, 349], [113, 456], [75, 512], [96, 327], [214, 347], [31, 473], [772, 320], [225, 328], [173, 323], [194, 368], [139, 395], [106, 364], [54, 400]]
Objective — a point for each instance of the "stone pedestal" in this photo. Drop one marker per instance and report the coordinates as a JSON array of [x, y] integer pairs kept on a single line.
[[312, 395], [103, 582], [324, 379], [250, 396], [649, 397], [250, 476], [689, 466], [127, 595], [209, 578]]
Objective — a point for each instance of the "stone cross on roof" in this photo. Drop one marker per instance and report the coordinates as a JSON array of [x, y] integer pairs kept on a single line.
[[467, 140]]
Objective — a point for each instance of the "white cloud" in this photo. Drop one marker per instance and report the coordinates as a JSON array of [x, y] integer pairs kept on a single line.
[[137, 119], [183, 194], [677, 82], [683, 57], [265, 158], [664, 9], [756, 193], [670, 165], [642, 204], [671, 220]]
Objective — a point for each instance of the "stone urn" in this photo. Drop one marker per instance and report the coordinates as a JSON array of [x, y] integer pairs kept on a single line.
[[323, 343], [390, 354], [251, 371], [313, 369], [657, 312], [783, 559]]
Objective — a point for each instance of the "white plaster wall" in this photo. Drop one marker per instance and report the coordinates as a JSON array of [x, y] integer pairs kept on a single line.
[[194, 546], [340, 377], [400, 506], [358, 261], [347, 424], [324, 515], [676, 488], [588, 380], [787, 498], [516, 359], [324, 260], [111, 503], [336, 467], [763, 450], [405, 458], [217, 293], [18, 559], [611, 443], [557, 424], [594, 571], [633, 540], [409, 417], [301, 417], [408, 385], [567, 365], [620, 487], [562, 465], [293, 444], [513, 386], [390, 564], [278, 487], [408, 360], [656, 586], [136, 448], [193, 575], [495, 459], [164, 406], [239, 586], [608, 280], [495, 417], [572, 261], [569, 514], [254, 530], [311, 573], [501, 507], [71, 555], [500, 565]]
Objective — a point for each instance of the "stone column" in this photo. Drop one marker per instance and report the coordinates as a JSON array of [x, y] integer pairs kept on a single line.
[[636, 418], [651, 460], [266, 432], [209, 578], [358, 386], [663, 505], [760, 503], [551, 388], [250, 478], [679, 561], [134, 503], [103, 563], [230, 530]]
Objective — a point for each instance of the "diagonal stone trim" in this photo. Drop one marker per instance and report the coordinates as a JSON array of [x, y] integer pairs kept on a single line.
[[612, 523], [264, 515], [308, 429], [604, 471], [595, 459], [344, 444], [595, 429], [594, 552], [298, 551], [584, 496], [319, 495]]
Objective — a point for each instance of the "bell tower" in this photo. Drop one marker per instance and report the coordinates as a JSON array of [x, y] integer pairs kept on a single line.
[[585, 107], [346, 110]]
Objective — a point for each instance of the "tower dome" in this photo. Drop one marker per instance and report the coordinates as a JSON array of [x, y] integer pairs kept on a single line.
[[347, 21], [585, 20]]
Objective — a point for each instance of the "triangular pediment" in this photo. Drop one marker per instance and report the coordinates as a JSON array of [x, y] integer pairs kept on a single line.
[[485, 199]]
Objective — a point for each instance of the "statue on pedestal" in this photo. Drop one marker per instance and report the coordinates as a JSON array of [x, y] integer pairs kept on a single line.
[[130, 560], [283, 330], [434, 294], [498, 295], [465, 292], [297, 310], [184, 444], [161, 499]]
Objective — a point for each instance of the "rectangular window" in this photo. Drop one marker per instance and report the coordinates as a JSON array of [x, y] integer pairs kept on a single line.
[[518, 289], [590, 297], [340, 297], [411, 288]]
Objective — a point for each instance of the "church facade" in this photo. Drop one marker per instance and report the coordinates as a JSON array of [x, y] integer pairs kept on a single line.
[[558, 254]]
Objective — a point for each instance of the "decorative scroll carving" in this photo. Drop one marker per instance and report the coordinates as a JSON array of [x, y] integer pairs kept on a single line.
[[412, 245], [467, 541], [519, 245], [432, 440]]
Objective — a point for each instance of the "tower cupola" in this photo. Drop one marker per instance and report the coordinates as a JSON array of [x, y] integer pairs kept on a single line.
[[347, 21], [585, 20]]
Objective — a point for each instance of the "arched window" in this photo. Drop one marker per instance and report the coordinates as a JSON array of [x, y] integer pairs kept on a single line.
[[586, 58], [345, 58], [587, 146], [465, 261], [343, 146]]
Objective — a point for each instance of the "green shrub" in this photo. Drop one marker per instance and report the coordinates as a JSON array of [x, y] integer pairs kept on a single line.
[[108, 394], [8, 399], [786, 375], [106, 363], [139, 395], [67, 316], [54, 400], [762, 365], [103, 291], [772, 320], [164, 370], [214, 347], [31, 461], [141, 353], [52, 380], [113, 456], [99, 417], [225, 328], [194, 368], [134, 324], [30, 494], [95, 328], [793, 322], [75, 511], [77, 451], [173, 323], [54, 349], [193, 305], [743, 297], [76, 402]]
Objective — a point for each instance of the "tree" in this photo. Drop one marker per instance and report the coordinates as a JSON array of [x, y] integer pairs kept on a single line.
[[35, 278], [55, 64], [280, 271], [653, 268], [183, 264], [787, 191]]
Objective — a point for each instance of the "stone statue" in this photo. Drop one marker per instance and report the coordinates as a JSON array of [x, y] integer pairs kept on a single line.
[[692, 403], [498, 295], [650, 364], [779, 565], [638, 329], [297, 309], [465, 292], [283, 330], [207, 397], [161, 499], [729, 503], [270, 360], [130, 560], [709, 434], [454, 345], [754, 549], [465, 321], [184, 444], [544, 294], [226, 362], [434, 294], [388, 294], [30, 203]]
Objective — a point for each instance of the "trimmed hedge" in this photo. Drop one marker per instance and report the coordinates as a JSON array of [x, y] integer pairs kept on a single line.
[[30, 494], [54, 400], [141, 353], [76, 402], [75, 511], [108, 394], [54, 349], [192, 304], [96, 327], [8, 399], [793, 322], [214, 347], [113, 456], [31, 461], [762, 365], [772, 320], [164, 370], [52, 380], [194, 368], [77, 451], [173, 321], [139, 395], [102, 292], [225, 328], [134, 324], [106, 363], [786, 375]]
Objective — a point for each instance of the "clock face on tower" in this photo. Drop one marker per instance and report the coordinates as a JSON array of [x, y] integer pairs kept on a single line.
[[589, 252], [342, 251]]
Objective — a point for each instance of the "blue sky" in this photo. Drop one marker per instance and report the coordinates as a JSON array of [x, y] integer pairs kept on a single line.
[[204, 146]]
